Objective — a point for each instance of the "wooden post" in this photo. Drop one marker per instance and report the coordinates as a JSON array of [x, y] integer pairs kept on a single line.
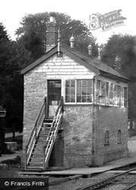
[[25, 157], [46, 107], [44, 157]]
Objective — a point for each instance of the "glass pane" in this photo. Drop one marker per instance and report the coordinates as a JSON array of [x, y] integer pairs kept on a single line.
[[83, 98], [67, 83], [89, 99], [72, 83], [70, 91], [84, 90], [67, 98], [72, 98], [125, 96], [79, 99]]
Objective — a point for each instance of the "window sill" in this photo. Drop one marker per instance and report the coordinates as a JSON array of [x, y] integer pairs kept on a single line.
[[78, 104]]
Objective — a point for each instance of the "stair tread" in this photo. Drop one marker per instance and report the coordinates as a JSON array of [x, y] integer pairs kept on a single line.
[[34, 168], [36, 161], [38, 155], [36, 164]]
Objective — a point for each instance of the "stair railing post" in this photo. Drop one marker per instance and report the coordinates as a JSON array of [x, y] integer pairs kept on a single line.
[[45, 106], [43, 157], [25, 157]]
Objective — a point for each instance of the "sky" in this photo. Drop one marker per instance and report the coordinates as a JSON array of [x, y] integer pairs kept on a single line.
[[12, 12]]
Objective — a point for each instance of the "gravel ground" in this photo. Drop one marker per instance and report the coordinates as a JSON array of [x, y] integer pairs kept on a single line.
[[77, 183], [122, 182]]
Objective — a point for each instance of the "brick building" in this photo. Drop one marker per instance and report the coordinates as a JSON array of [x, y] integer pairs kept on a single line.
[[75, 109]]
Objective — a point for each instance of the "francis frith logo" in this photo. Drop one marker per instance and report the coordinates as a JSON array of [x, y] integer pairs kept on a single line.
[[106, 21]]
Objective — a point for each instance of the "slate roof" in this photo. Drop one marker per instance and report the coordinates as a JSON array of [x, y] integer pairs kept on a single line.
[[94, 65]]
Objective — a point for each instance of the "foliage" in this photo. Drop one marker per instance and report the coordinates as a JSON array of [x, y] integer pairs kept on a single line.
[[123, 47], [33, 32], [30, 45], [13, 56]]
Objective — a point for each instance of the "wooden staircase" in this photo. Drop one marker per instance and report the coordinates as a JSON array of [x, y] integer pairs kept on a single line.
[[42, 139]]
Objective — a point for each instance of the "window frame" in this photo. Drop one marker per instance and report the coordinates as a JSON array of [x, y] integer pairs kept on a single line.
[[77, 103], [114, 93], [74, 90], [119, 137], [125, 103], [107, 138]]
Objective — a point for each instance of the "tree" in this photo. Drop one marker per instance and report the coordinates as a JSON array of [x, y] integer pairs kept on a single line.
[[120, 53], [33, 32], [120, 48], [13, 56], [18, 58]]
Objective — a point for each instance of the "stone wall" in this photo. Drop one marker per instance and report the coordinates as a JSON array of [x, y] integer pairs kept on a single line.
[[84, 125], [77, 135], [35, 89], [112, 119]]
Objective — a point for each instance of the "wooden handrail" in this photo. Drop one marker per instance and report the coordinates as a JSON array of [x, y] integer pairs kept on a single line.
[[35, 132], [61, 105]]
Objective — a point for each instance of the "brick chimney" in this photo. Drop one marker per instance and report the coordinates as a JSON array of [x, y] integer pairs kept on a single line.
[[51, 34]]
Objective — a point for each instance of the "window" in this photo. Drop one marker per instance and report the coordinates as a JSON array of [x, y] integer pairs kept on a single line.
[[102, 91], [107, 92], [115, 95], [98, 91], [118, 95], [119, 137], [84, 90], [78, 91], [111, 93], [70, 91], [107, 89], [125, 97], [106, 138]]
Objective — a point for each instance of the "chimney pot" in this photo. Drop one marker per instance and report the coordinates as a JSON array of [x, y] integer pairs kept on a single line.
[[52, 19], [72, 41], [90, 50], [99, 52]]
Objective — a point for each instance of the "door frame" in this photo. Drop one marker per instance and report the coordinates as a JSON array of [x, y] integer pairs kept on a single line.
[[48, 92]]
